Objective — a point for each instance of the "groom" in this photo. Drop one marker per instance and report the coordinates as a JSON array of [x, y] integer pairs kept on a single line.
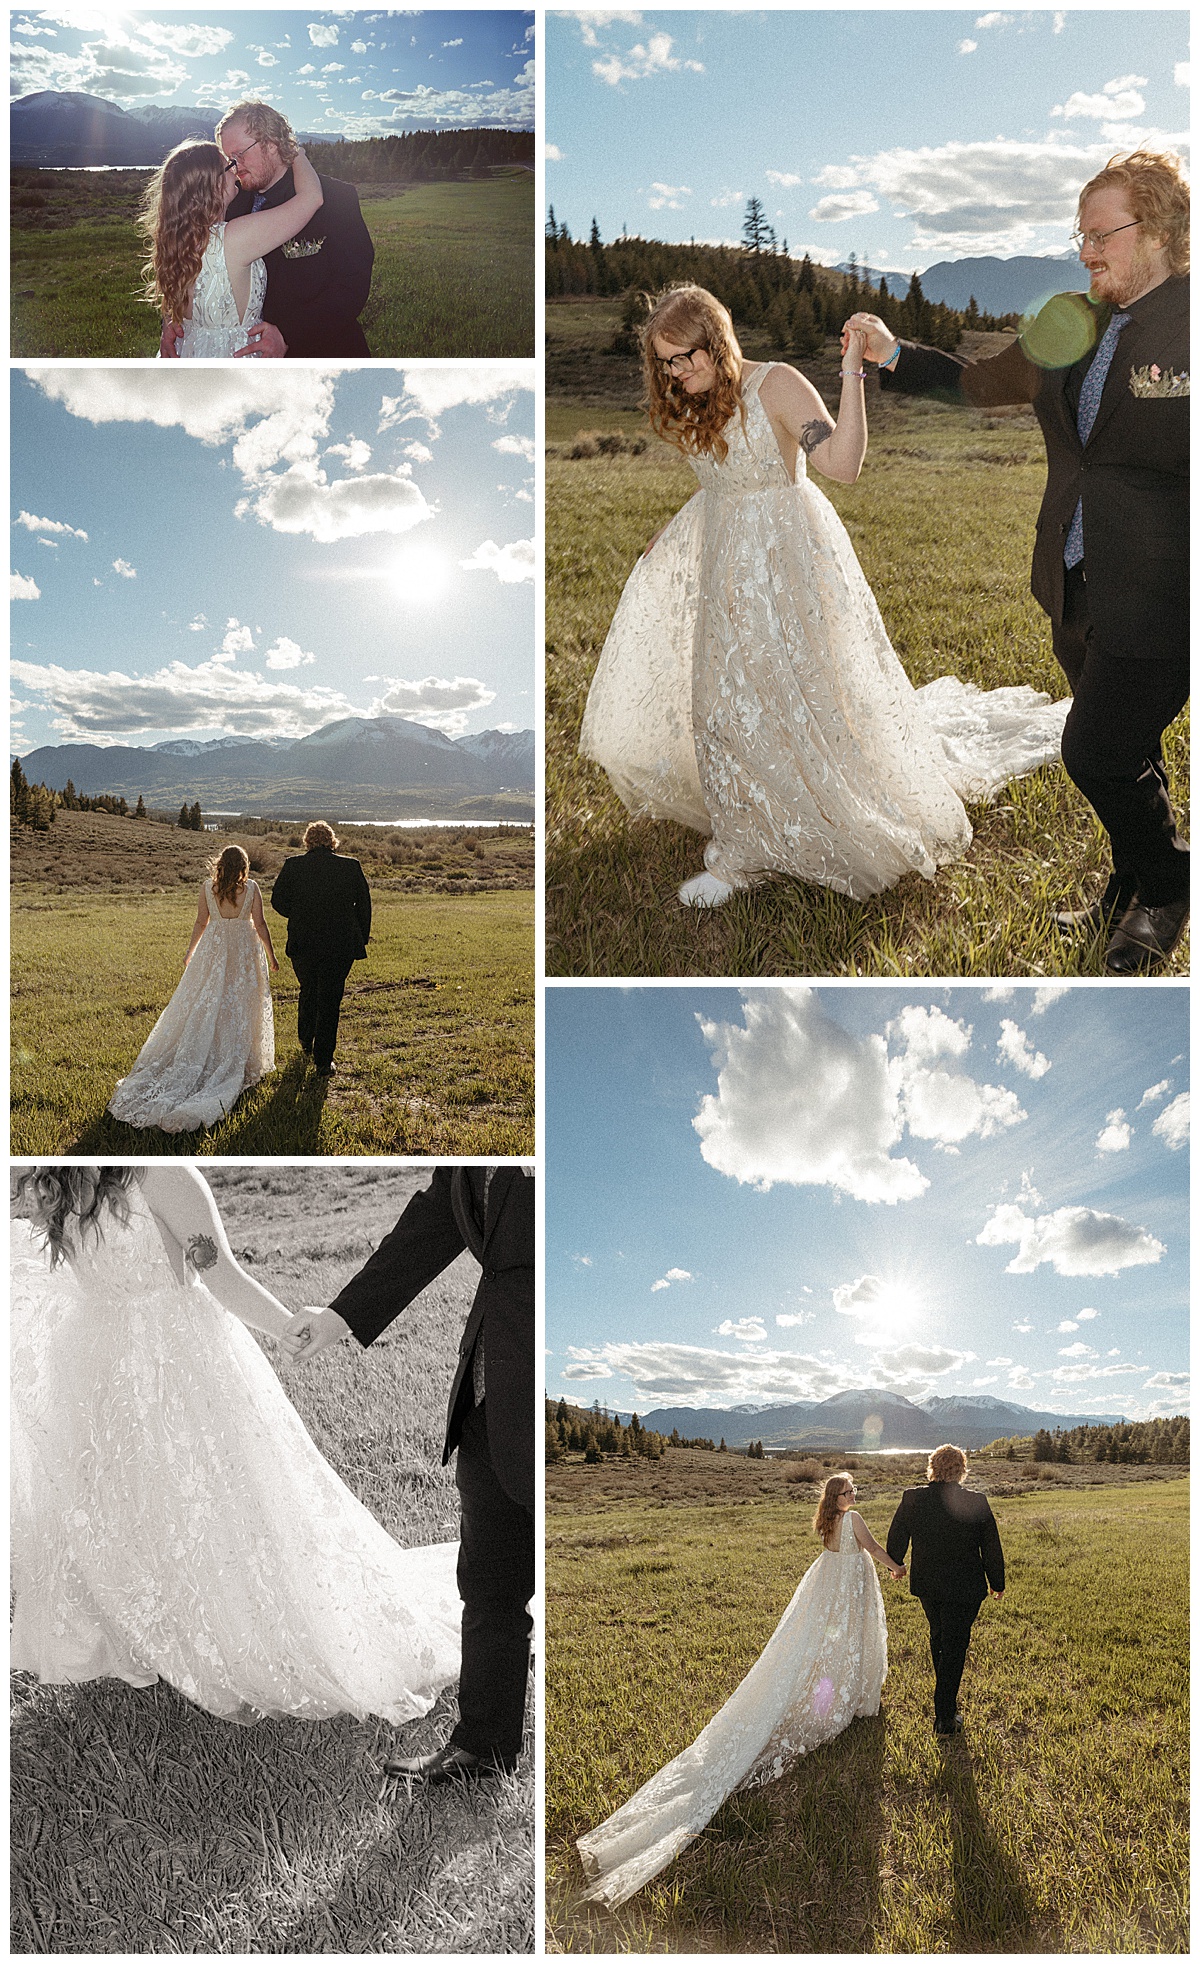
[[318, 282], [1107, 377], [326, 902], [490, 1210], [956, 1559]]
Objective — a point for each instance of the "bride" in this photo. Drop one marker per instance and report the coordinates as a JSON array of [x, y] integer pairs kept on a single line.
[[747, 687], [216, 1036], [171, 1517], [823, 1667], [204, 272]]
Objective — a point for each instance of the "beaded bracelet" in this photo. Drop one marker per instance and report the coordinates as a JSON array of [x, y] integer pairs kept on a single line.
[[892, 359], [853, 374]]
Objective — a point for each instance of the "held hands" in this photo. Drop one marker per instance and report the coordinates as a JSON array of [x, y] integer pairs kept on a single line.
[[878, 342], [172, 335], [897, 1571], [854, 347], [311, 1330], [263, 341]]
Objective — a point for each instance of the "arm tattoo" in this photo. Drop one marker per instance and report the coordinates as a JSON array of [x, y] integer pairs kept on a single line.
[[201, 1252], [813, 435]]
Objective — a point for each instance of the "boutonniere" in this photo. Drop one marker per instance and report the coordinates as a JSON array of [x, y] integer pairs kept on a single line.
[[1155, 381], [302, 248]]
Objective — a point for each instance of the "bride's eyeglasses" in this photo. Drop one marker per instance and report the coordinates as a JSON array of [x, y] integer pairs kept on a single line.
[[681, 364]]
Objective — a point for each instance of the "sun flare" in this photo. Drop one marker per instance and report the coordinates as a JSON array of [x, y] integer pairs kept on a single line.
[[420, 574]]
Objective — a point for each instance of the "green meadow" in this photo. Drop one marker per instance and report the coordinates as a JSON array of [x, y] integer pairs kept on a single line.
[[454, 267], [435, 1051], [1058, 1822]]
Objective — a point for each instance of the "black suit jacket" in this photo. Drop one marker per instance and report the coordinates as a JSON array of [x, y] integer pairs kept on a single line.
[[315, 299], [327, 904], [1132, 473], [438, 1224], [956, 1550]]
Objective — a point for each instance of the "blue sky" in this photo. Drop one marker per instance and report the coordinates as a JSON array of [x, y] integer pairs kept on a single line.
[[765, 1195], [262, 548], [905, 137], [350, 72]]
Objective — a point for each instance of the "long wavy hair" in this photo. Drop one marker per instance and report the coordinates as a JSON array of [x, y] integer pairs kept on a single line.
[[183, 201], [67, 1204], [695, 318], [229, 873], [826, 1517]]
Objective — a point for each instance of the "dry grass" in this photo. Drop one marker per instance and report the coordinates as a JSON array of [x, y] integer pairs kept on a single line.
[[140, 1824]]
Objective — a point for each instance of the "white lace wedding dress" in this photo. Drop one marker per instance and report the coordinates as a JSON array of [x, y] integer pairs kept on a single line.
[[216, 1036], [216, 328], [172, 1518], [823, 1667], [747, 689]]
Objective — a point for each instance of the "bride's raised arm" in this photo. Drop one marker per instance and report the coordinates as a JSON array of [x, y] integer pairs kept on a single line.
[[181, 1202], [789, 398], [259, 232]]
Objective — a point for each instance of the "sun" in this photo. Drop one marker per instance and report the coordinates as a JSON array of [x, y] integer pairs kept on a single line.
[[420, 574], [895, 1310]]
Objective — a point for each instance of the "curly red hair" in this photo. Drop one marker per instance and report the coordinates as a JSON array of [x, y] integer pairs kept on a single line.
[[827, 1516], [695, 318], [229, 874], [184, 199]]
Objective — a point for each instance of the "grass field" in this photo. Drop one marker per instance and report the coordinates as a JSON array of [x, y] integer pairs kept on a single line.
[[454, 267], [435, 1050], [140, 1824], [1058, 1823], [942, 520]]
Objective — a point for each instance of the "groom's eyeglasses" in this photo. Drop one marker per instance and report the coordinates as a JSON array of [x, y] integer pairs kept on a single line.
[[235, 163], [680, 364], [1096, 239]]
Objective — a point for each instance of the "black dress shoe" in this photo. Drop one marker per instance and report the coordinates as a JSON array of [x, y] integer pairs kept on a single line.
[[958, 1721], [1074, 924], [1145, 938], [326, 1070], [446, 1764]]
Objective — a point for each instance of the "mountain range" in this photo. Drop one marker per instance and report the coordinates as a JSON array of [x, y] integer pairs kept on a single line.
[[999, 286], [65, 128], [858, 1421], [360, 766]]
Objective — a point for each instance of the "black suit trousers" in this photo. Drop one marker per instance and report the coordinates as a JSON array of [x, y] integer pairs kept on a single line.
[[1112, 749], [322, 986], [495, 1581], [950, 1625]]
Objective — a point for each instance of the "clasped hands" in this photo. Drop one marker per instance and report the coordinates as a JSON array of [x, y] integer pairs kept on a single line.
[[311, 1330], [879, 343]]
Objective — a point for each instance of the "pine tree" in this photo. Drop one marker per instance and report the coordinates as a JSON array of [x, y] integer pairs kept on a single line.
[[185, 819], [139, 810], [18, 791], [755, 229], [195, 818]]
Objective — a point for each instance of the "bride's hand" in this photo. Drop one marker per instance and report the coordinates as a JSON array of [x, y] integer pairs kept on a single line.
[[854, 347], [879, 343]]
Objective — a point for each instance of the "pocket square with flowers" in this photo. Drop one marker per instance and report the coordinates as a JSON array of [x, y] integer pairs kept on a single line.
[[302, 248], [1155, 381]]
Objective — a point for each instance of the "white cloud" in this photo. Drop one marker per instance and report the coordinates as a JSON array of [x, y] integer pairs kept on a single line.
[[1116, 1133], [1023, 1329], [747, 1329], [434, 391], [33, 524], [726, 200], [418, 453], [794, 1321], [591, 21], [238, 640], [584, 1261], [1060, 21], [847, 204], [515, 446], [510, 563], [453, 44], [1046, 995], [123, 567], [303, 500], [356, 453], [800, 1100], [285, 653], [785, 179], [1183, 74], [439, 702], [266, 60], [1074, 1240], [1086, 1315], [994, 20], [938, 1100], [998, 1363], [22, 587], [1015, 1047], [590, 1369], [104, 707], [1154, 1093], [922, 1361], [644, 59], [1168, 1381], [967, 48], [198, 625], [672, 1275], [686, 1374], [322, 37], [553, 154], [668, 197], [1065, 1327], [1077, 1350], [1117, 101], [1020, 1379], [1174, 1124]]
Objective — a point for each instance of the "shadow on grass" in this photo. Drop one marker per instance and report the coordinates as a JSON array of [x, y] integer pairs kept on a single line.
[[285, 1116], [991, 1906]]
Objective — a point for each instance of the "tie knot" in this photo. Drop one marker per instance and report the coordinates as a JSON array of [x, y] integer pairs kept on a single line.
[[259, 201]]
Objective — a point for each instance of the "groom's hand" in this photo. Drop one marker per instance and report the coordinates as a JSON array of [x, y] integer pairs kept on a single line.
[[262, 340], [881, 343], [311, 1330]]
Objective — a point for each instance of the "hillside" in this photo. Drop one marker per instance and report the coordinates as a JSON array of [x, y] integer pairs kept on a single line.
[[867, 1420]]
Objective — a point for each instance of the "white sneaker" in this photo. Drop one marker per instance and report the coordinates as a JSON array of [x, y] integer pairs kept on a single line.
[[705, 890]]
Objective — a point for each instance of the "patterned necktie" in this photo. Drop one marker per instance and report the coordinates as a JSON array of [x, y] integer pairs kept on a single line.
[[1089, 403], [260, 199]]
